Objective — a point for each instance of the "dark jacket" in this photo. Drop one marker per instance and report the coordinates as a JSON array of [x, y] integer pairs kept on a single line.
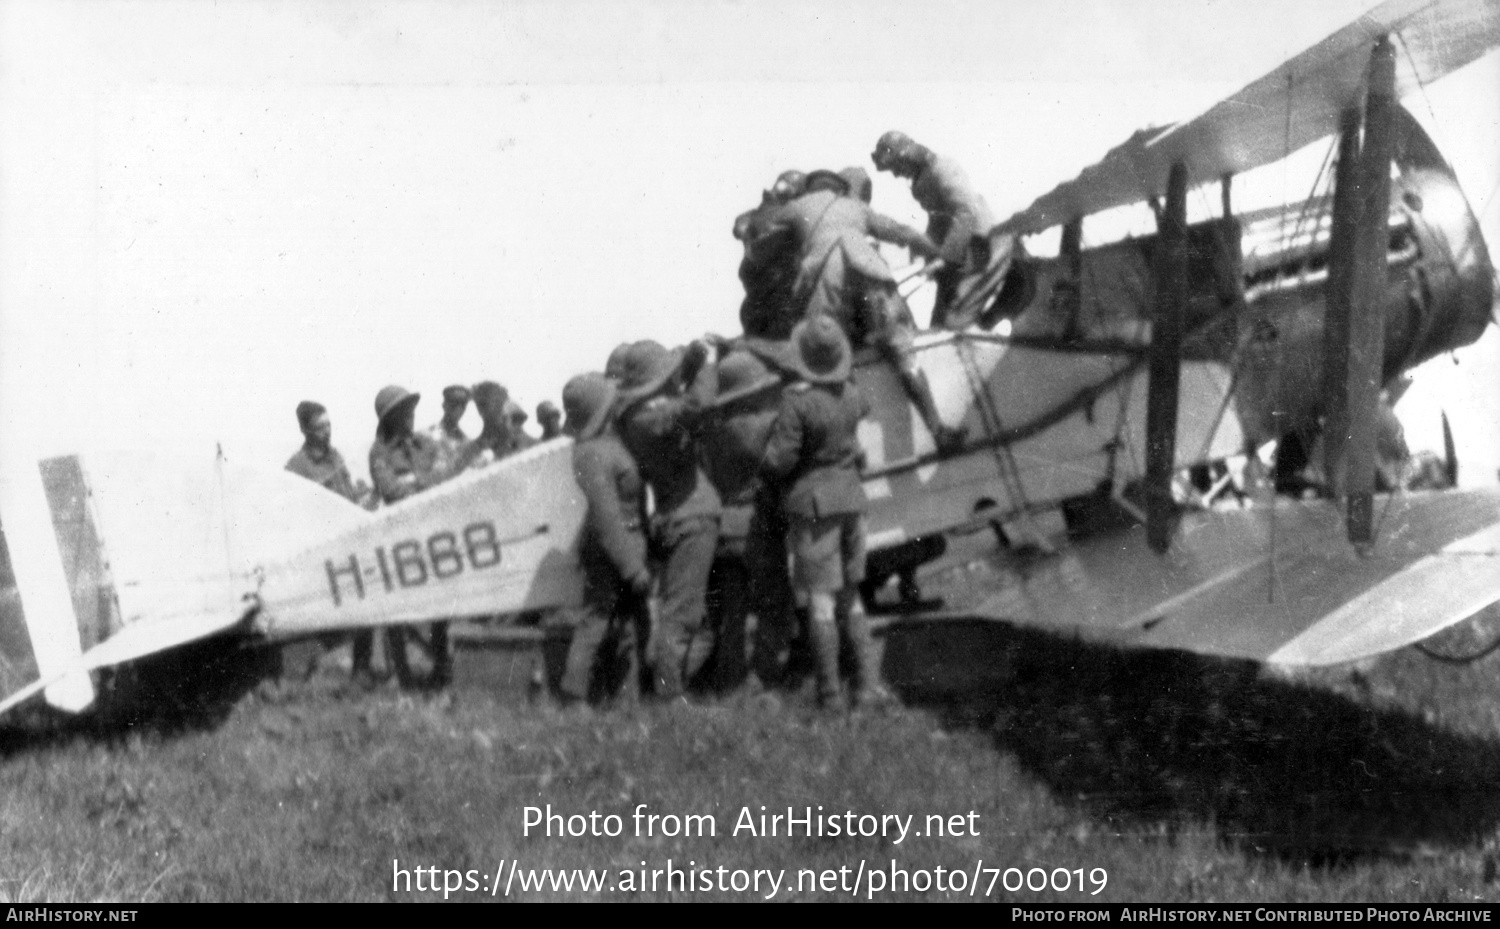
[[403, 466], [661, 433], [614, 538], [733, 445], [814, 450], [768, 272]]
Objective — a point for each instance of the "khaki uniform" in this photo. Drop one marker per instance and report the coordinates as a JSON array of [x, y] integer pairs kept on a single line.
[[450, 443], [400, 467], [840, 273], [751, 553], [326, 469], [660, 433], [956, 213], [814, 453], [614, 628]]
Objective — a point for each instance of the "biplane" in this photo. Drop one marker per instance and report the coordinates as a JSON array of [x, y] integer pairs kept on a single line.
[[1088, 383]]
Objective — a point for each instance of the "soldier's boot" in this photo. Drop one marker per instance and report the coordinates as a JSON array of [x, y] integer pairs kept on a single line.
[[442, 656], [628, 695], [868, 689], [666, 669], [948, 439], [362, 674], [823, 631], [395, 656]]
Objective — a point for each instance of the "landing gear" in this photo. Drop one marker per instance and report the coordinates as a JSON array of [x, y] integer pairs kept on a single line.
[[903, 561]]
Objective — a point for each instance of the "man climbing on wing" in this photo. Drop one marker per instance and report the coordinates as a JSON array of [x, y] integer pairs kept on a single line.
[[768, 269], [841, 274], [956, 213]]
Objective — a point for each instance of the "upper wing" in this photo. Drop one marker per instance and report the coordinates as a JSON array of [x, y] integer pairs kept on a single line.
[[1294, 105]]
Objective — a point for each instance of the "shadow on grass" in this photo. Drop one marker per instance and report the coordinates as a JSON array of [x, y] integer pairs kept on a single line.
[[1157, 740], [187, 689]]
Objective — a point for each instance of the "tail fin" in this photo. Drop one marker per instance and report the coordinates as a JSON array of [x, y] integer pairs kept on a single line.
[[41, 636], [109, 558]]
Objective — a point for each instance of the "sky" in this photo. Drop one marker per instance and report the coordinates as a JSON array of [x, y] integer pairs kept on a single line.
[[209, 212]]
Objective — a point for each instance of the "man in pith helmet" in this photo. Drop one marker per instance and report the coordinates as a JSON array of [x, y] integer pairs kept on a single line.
[[404, 462], [609, 643], [814, 457], [751, 552], [659, 422]]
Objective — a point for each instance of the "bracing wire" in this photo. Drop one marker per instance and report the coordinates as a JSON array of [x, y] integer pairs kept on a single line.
[[1286, 152]]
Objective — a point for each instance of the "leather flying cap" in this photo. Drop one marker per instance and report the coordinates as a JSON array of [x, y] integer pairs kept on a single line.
[[455, 393], [890, 147], [859, 183], [789, 186], [823, 179]]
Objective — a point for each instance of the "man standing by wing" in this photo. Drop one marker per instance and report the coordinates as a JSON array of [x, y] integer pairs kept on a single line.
[[317, 459], [614, 626], [813, 457], [404, 462], [660, 421], [446, 433]]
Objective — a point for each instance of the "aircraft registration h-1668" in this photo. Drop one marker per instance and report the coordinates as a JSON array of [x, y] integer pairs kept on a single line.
[[1116, 368]]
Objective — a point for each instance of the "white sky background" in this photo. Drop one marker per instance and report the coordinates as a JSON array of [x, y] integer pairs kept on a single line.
[[209, 212]]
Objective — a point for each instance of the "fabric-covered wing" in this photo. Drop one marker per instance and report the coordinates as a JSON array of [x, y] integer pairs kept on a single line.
[[1285, 590], [1294, 105], [105, 558]]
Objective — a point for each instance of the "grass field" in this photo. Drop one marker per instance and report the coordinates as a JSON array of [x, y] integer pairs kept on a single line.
[[1182, 778]]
